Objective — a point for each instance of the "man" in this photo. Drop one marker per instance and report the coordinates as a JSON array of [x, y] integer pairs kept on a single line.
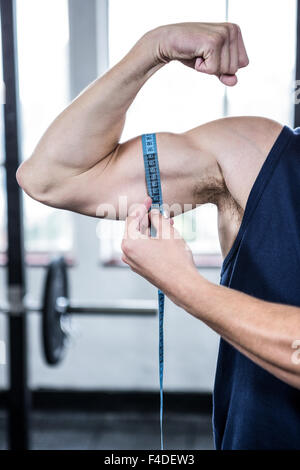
[[247, 166]]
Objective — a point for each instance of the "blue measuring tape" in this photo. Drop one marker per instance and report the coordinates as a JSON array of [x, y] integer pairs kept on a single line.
[[154, 191]]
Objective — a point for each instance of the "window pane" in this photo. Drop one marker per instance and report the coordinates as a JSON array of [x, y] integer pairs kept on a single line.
[[266, 87], [2, 101], [3, 240], [199, 229], [3, 215], [43, 36], [174, 99]]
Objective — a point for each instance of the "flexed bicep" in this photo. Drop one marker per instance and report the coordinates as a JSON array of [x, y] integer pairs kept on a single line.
[[109, 188]]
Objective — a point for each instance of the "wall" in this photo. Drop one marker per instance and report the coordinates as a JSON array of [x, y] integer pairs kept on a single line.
[[107, 352], [120, 353]]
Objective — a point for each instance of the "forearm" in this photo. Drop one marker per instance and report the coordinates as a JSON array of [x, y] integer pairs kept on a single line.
[[93, 123], [263, 331]]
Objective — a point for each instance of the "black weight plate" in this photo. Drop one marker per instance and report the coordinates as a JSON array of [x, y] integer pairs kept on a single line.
[[54, 337]]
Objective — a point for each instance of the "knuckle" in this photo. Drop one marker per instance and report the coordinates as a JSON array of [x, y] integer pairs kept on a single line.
[[217, 39], [225, 29], [125, 246], [233, 69], [124, 259], [212, 69], [244, 62], [232, 29]]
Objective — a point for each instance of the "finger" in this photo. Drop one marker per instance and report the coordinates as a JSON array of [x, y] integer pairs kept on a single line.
[[148, 202], [198, 62], [234, 49], [225, 76], [132, 231], [211, 64], [243, 56], [132, 226], [161, 224], [145, 224], [125, 259], [144, 221], [229, 57], [211, 57], [139, 210], [225, 57], [137, 213]]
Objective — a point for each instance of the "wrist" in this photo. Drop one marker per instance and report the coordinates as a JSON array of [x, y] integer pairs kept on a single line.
[[157, 38], [148, 49], [190, 291]]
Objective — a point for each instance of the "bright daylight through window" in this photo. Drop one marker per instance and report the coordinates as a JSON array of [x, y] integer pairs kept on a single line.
[[176, 98], [43, 75]]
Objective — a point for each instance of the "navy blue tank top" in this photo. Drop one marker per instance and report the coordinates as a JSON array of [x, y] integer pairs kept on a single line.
[[252, 408]]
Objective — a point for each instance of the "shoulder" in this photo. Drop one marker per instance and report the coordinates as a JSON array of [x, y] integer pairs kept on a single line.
[[240, 145]]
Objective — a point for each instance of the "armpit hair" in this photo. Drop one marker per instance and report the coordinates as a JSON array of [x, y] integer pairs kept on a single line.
[[210, 186], [213, 189]]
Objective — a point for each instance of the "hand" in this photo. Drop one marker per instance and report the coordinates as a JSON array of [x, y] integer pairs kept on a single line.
[[165, 260], [212, 48]]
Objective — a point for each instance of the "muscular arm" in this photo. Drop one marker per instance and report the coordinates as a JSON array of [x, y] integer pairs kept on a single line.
[[265, 332], [79, 163]]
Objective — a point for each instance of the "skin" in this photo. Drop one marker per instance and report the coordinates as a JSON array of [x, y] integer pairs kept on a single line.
[[80, 165], [262, 331]]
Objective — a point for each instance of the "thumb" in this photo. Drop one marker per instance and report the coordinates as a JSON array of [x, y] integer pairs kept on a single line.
[[161, 224], [228, 80]]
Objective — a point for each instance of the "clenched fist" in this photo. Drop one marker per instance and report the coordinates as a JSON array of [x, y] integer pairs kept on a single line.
[[212, 48]]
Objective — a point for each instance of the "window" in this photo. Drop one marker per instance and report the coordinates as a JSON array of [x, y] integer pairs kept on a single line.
[[3, 241], [43, 36], [180, 107], [265, 89], [187, 100], [3, 221]]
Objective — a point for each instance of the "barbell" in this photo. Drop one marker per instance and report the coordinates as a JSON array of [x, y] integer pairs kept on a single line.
[[56, 310]]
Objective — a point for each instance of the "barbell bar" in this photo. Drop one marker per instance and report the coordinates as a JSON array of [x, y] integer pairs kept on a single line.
[[57, 310], [117, 307]]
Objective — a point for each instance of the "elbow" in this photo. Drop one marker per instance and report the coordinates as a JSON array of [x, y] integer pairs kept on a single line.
[[295, 362], [21, 176], [32, 183], [289, 367], [40, 182]]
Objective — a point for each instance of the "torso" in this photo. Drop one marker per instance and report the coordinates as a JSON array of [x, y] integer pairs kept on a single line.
[[234, 150], [230, 216], [246, 143]]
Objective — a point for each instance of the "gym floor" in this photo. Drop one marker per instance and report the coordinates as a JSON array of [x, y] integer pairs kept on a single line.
[[58, 430]]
